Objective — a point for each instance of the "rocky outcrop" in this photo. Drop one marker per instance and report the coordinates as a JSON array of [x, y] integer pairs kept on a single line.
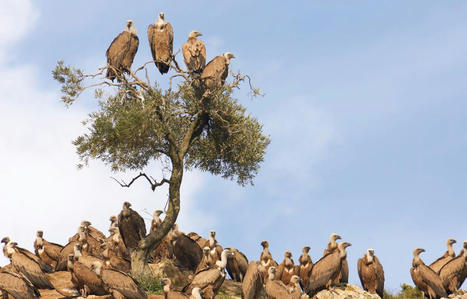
[[167, 268], [349, 291], [461, 294]]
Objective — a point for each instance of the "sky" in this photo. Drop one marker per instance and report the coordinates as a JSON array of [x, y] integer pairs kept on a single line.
[[364, 104]]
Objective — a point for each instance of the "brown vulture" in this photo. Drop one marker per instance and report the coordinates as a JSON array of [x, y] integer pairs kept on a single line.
[[161, 36], [425, 278], [305, 266], [17, 286], [156, 221], [287, 268], [27, 266], [453, 273], [371, 273], [131, 225], [294, 287], [122, 51], [447, 256], [210, 280], [206, 261], [332, 245], [197, 238], [169, 293], [47, 251], [194, 53], [237, 264], [187, 253], [86, 280], [61, 280], [325, 271], [214, 247], [216, 71], [275, 288], [266, 259], [252, 283], [8, 244]]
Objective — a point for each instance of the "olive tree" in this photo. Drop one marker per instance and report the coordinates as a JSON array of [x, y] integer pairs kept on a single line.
[[185, 127]]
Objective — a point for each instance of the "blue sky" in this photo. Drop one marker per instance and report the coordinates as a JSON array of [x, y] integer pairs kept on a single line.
[[365, 106]]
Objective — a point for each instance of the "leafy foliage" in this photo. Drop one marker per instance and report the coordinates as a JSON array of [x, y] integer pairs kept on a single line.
[[150, 284], [406, 292]]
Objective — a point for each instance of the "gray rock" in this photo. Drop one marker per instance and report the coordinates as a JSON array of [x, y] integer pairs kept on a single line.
[[348, 291]]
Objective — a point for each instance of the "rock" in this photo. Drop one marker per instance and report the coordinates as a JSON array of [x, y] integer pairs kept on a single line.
[[460, 294], [167, 269], [230, 289], [348, 291]]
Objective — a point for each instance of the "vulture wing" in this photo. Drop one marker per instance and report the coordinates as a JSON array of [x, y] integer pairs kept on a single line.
[[324, 270], [64, 253], [276, 289], [86, 276], [215, 72], [379, 277], [432, 280], [252, 282], [440, 262], [17, 286], [360, 265], [31, 270], [194, 54], [116, 53], [52, 250], [122, 283], [161, 43], [451, 271], [44, 266]]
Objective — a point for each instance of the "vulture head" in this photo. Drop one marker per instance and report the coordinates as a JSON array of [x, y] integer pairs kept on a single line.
[[167, 283], [306, 249], [342, 246], [451, 241], [77, 249], [370, 254], [39, 233], [6, 240], [194, 34], [334, 237], [417, 251], [272, 273], [130, 27], [288, 254], [113, 218], [265, 244], [212, 233], [157, 213], [465, 244], [161, 16], [96, 267], [228, 56], [295, 279], [70, 262], [206, 251], [126, 205]]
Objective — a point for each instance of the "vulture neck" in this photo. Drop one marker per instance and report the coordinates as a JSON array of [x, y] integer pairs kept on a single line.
[[212, 241], [195, 293], [77, 253], [342, 253], [416, 260], [369, 258], [451, 250], [288, 262], [39, 240], [223, 262]]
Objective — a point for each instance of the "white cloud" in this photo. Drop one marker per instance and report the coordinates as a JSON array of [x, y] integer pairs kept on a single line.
[[41, 186]]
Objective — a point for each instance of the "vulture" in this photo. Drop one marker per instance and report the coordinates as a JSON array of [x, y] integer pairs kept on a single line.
[[210, 280], [453, 273], [187, 253], [156, 221], [325, 270], [131, 225], [275, 289], [237, 264], [371, 273], [294, 287], [207, 262], [62, 283], [215, 248], [197, 238], [44, 266], [86, 260], [194, 53], [115, 245], [425, 278], [89, 237], [161, 36], [64, 253], [86, 280], [287, 268], [48, 252], [92, 231], [17, 286], [27, 266], [447, 256], [117, 281], [114, 261], [343, 277], [113, 222], [122, 51], [266, 258], [252, 283], [169, 293], [305, 266], [332, 245], [216, 71]]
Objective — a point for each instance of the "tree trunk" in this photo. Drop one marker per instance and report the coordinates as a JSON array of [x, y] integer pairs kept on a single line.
[[139, 256]]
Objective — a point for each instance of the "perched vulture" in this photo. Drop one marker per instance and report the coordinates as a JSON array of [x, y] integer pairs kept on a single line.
[[17, 286], [117, 281], [210, 280], [371, 273], [237, 264], [61, 280], [169, 293], [275, 289], [425, 278], [343, 277], [86, 260], [252, 283], [8, 244], [114, 261], [305, 266], [332, 245], [47, 251], [86, 280], [131, 225], [325, 271], [194, 53], [115, 245], [447, 256], [156, 221], [187, 253], [197, 238], [216, 71], [214, 247], [294, 287], [453, 273], [287, 268], [266, 259], [27, 266], [122, 51], [113, 222], [92, 231], [161, 37], [64, 253], [207, 262]]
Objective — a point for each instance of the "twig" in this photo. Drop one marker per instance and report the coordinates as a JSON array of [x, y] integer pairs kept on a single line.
[[154, 183]]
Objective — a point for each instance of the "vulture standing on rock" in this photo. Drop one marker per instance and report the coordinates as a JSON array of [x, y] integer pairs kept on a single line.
[[161, 37], [17, 286], [266, 258], [197, 238], [131, 226], [122, 51], [305, 267], [447, 256], [275, 289], [210, 280], [332, 245], [187, 253], [215, 249], [156, 221], [287, 268], [194, 53], [371, 273], [454, 272], [86, 280], [48, 252], [237, 264], [8, 244], [252, 283], [325, 271], [216, 71], [425, 278]]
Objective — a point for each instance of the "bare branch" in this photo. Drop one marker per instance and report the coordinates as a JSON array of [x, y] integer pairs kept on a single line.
[[154, 184]]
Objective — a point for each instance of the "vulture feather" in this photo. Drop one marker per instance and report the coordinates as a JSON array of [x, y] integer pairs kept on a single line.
[[305, 267], [131, 225], [252, 283], [17, 286], [287, 268], [194, 53], [216, 71], [86, 280], [275, 289], [425, 278], [371, 273], [453, 273], [187, 253], [237, 264], [115, 280], [161, 37]]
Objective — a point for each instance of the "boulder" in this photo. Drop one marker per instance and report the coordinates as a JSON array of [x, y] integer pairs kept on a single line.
[[348, 291]]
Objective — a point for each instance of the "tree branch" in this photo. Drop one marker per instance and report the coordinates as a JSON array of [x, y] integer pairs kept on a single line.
[[150, 179]]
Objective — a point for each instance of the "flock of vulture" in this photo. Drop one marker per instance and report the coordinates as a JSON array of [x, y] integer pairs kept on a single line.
[[123, 48], [100, 265]]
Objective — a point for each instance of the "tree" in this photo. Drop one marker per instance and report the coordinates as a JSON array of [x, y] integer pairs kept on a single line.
[[185, 128]]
